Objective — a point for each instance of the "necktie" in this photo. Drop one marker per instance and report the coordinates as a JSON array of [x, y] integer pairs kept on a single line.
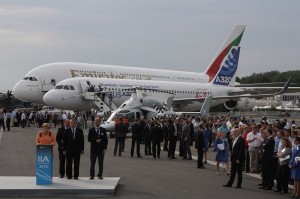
[[73, 131], [97, 131]]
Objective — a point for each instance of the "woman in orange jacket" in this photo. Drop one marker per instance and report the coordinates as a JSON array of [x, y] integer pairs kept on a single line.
[[45, 137]]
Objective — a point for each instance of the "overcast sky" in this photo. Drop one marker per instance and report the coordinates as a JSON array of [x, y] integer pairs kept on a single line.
[[166, 34]]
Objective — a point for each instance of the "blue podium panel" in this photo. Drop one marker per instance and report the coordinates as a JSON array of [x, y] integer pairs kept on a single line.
[[44, 164]]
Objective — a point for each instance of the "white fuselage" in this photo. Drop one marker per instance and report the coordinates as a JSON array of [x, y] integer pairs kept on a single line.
[[43, 78], [120, 90]]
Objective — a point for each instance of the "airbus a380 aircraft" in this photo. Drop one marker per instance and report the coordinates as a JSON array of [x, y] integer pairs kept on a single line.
[[70, 93], [43, 78]]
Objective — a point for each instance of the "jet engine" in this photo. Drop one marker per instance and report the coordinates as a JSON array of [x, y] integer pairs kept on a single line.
[[244, 104]]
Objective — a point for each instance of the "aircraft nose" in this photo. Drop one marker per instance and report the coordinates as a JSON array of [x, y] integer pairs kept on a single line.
[[19, 91], [49, 99]]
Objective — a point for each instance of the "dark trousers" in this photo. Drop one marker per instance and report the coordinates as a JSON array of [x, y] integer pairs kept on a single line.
[[70, 158], [156, 148], [147, 147], [8, 124], [118, 142], [268, 175], [283, 177], [2, 124], [23, 123], [200, 157], [93, 158], [172, 148], [186, 149], [62, 163], [138, 142], [236, 168], [166, 144], [246, 166]]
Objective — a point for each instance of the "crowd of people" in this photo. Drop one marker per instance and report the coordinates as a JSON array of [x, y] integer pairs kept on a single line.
[[267, 148], [271, 149]]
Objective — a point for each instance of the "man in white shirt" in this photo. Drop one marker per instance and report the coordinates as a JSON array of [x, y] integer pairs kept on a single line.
[[254, 141]]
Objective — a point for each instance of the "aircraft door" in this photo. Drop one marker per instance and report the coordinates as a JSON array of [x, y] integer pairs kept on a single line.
[[47, 84]]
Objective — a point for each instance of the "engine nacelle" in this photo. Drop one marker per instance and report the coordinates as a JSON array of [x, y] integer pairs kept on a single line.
[[244, 104]]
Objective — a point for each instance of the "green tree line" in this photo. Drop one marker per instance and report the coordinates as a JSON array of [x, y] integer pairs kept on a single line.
[[269, 77]]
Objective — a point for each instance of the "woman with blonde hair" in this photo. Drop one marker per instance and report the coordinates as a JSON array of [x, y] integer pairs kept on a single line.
[[45, 137], [222, 147]]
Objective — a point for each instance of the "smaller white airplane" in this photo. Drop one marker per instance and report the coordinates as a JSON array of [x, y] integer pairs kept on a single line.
[[140, 104]]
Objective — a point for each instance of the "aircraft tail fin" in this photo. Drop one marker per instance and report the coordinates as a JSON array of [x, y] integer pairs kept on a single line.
[[227, 72], [233, 39]]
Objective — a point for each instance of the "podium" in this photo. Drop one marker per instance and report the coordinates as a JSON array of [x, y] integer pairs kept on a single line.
[[44, 159]]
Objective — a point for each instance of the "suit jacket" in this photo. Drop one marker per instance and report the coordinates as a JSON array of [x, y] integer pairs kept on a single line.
[[186, 133], [238, 150], [171, 133], [268, 149], [121, 130], [59, 138], [137, 133], [97, 148], [73, 146], [199, 140], [156, 134]]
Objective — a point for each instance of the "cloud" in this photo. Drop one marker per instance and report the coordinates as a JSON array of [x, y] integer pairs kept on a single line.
[[24, 11]]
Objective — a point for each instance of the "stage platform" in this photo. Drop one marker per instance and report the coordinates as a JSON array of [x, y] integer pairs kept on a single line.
[[25, 187]]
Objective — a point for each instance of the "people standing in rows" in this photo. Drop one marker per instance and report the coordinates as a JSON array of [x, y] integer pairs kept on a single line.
[[73, 146], [221, 146], [98, 138], [156, 136], [199, 145], [59, 139], [120, 133], [147, 140], [137, 137], [254, 141], [283, 171], [237, 159]]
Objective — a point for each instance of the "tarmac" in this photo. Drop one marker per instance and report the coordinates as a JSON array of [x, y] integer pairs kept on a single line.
[[139, 177]]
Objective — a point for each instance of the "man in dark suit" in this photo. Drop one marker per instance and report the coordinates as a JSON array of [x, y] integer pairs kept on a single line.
[[147, 140], [136, 138], [186, 140], [120, 133], [199, 146], [98, 139], [237, 158], [172, 137], [267, 161], [59, 139], [156, 136], [73, 146]]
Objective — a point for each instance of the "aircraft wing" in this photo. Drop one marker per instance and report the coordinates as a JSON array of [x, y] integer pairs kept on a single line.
[[253, 93]]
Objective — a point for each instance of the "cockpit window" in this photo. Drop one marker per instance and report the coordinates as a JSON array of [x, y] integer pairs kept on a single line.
[[30, 78], [71, 87], [66, 87], [59, 87]]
